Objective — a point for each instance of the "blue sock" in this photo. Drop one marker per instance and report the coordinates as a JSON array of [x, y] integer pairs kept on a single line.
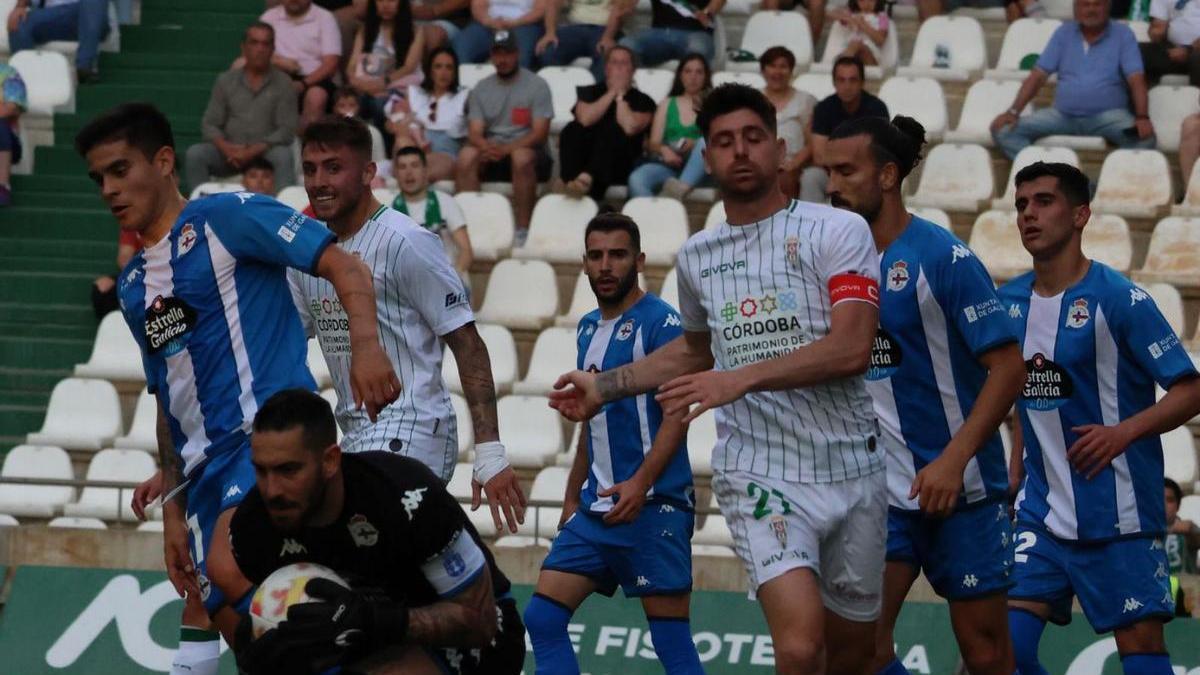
[[894, 668], [1026, 630], [1146, 664], [546, 620], [673, 643]]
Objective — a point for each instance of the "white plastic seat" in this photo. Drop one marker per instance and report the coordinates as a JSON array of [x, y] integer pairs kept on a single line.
[[563, 80], [1135, 183], [459, 487], [521, 294], [997, 241], [35, 461], [654, 82], [1179, 455], [1027, 156], [1169, 302], [961, 35], [112, 465], [6, 6], [8, 521], [665, 224], [766, 29], [530, 429], [294, 196], [701, 439], [1189, 508], [1022, 38], [471, 74], [716, 215], [151, 526], [49, 79], [1106, 238], [955, 178], [466, 430], [554, 353], [215, 187], [984, 101], [839, 36], [82, 415], [1168, 106], [77, 523], [1059, 9], [820, 85], [749, 78], [502, 352], [583, 300], [556, 229], [920, 98], [317, 365], [935, 216], [1174, 254], [142, 431], [385, 195], [490, 223], [670, 288], [1191, 195], [115, 354], [714, 531], [549, 485]]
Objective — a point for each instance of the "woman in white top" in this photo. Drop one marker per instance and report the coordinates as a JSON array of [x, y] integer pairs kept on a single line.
[[521, 18], [435, 117], [793, 115], [375, 69]]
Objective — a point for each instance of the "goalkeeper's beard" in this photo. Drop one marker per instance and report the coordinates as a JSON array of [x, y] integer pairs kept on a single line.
[[316, 501]]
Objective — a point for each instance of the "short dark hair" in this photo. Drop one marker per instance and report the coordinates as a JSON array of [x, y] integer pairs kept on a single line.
[[899, 141], [258, 163], [677, 83], [427, 67], [850, 61], [775, 53], [1174, 488], [612, 221], [141, 125], [732, 97], [259, 25], [632, 54], [336, 131], [293, 408], [411, 150], [1071, 181], [344, 92]]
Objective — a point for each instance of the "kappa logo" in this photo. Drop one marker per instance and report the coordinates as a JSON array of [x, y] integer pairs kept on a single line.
[[970, 581], [187, 239], [626, 330], [1078, 314], [666, 508], [244, 196], [1014, 311], [292, 547], [1132, 605], [672, 320], [1137, 295], [133, 275], [232, 492], [959, 252], [643, 581], [361, 531], [897, 276], [411, 501]]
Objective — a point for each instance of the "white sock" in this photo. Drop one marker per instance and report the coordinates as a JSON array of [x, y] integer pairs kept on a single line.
[[199, 653]]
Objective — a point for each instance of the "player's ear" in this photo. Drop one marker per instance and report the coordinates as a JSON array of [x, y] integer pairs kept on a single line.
[[331, 460], [164, 161], [640, 261], [889, 176], [1083, 213], [369, 173]]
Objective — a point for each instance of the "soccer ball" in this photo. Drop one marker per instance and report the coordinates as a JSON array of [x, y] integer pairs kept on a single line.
[[282, 589]]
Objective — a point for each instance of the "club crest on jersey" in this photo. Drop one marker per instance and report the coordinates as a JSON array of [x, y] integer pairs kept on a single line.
[[1078, 315], [791, 250], [897, 276], [626, 330], [187, 239], [362, 531], [779, 528], [168, 325]]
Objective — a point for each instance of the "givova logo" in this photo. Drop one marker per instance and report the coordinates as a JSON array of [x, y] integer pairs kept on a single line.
[[723, 268]]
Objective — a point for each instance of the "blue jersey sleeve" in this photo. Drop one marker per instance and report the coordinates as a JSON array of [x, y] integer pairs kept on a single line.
[[1147, 338], [259, 228], [964, 289], [667, 327]]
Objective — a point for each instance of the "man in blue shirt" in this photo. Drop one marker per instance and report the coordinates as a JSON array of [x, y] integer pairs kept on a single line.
[[1090, 514], [1095, 59], [945, 370], [208, 302], [628, 510]]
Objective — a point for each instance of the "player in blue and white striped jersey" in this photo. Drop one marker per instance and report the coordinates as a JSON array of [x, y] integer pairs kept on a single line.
[[628, 509], [1090, 516]]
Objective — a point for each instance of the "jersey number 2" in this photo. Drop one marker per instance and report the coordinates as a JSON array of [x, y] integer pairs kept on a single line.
[[1025, 540], [761, 507]]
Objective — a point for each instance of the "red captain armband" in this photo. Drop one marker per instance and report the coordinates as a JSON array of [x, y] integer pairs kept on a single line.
[[851, 286]]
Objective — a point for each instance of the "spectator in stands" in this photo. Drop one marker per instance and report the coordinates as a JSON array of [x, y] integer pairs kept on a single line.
[[793, 115], [308, 47], [258, 176], [677, 29], [521, 19], [868, 27], [346, 102], [1174, 45], [432, 209], [848, 102], [36, 22], [13, 102], [441, 20], [675, 163], [1099, 68], [251, 113], [349, 15], [592, 28], [598, 148], [104, 288], [1189, 146], [386, 57], [1182, 541], [435, 115], [509, 120]]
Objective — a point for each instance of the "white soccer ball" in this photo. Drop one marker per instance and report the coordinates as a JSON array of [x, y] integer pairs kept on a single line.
[[282, 589]]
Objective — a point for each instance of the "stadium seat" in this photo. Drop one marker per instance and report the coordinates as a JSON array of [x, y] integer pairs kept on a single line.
[[142, 431], [294, 196], [1179, 455], [750, 79], [521, 294], [1189, 508], [76, 523], [839, 36], [112, 465], [213, 188], [385, 195], [997, 241], [766, 29], [1141, 30], [962, 36], [549, 485], [151, 526], [331, 397], [82, 415], [583, 300], [1059, 9], [115, 354], [1191, 195], [8, 521], [985, 99], [670, 288], [1168, 106], [664, 222], [1169, 302], [317, 365], [489, 223], [1106, 238], [701, 439], [554, 353], [1027, 156], [1134, 183], [556, 229], [920, 98], [471, 74], [1023, 37], [49, 79], [459, 487], [654, 82], [716, 215], [35, 461], [713, 537], [466, 430], [1174, 252], [935, 216], [6, 6], [563, 80], [955, 178], [502, 352], [531, 431], [820, 85]]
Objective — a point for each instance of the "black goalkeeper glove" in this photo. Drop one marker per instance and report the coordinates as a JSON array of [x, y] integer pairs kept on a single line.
[[286, 650], [359, 621]]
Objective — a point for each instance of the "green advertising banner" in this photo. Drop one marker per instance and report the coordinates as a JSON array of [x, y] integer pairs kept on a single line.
[[67, 620]]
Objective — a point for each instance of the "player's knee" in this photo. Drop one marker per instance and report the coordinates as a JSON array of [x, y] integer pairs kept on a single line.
[[987, 654], [796, 654]]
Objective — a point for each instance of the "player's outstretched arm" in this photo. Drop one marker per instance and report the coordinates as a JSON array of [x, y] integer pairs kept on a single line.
[[372, 379], [467, 619], [632, 493]]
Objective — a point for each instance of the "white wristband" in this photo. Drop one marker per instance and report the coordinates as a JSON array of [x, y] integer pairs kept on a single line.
[[490, 460]]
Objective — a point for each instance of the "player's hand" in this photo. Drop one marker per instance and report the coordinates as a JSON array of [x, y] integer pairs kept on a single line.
[[1145, 128], [630, 497], [938, 486], [503, 492], [704, 390], [575, 396], [285, 649], [1096, 447], [147, 491], [362, 620], [604, 44], [178, 559], [372, 380], [1002, 121]]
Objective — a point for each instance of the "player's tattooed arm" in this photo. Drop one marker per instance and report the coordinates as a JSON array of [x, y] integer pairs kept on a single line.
[[168, 459], [465, 620], [475, 373], [688, 353]]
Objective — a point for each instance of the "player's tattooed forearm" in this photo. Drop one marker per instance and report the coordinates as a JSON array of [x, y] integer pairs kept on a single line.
[[475, 374], [616, 384], [468, 620]]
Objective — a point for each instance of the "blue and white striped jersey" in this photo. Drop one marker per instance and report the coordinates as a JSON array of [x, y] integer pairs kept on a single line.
[[938, 313], [1093, 354], [621, 434], [210, 308]]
